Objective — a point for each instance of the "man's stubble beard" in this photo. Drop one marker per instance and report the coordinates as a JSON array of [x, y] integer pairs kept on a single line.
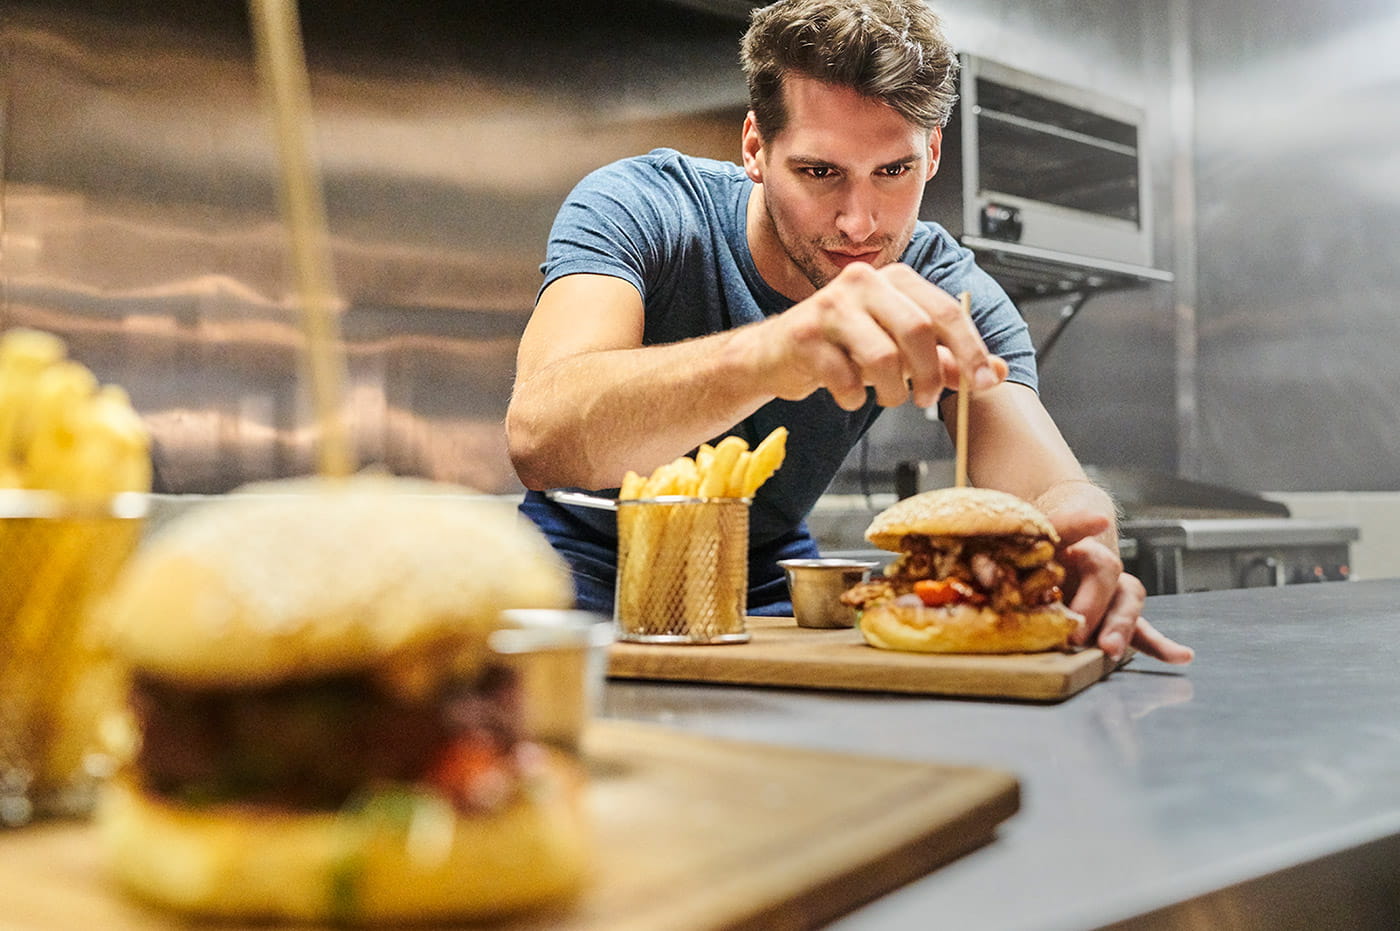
[[806, 257]]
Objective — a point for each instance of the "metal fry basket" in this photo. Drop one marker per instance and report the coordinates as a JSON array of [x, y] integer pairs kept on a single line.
[[682, 570], [56, 682]]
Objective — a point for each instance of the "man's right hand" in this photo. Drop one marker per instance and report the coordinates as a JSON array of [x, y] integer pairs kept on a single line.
[[889, 328]]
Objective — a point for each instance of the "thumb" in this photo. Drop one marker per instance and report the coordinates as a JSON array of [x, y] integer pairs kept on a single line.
[[950, 372], [1073, 526]]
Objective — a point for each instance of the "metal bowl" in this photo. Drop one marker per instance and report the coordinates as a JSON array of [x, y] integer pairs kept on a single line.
[[816, 586], [561, 658]]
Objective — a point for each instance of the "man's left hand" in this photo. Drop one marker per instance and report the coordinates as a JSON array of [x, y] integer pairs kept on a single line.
[[1110, 599]]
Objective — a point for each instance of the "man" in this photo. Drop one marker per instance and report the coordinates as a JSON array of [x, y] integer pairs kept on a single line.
[[688, 298]]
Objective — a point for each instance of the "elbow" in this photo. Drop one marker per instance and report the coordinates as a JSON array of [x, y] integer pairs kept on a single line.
[[544, 457], [528, 455]]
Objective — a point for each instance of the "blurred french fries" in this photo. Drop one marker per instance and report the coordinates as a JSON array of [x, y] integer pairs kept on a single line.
[[62, 433], [675, 561], [59, 431]]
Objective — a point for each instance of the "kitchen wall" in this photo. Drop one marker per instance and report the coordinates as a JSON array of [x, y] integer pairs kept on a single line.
[[138, 212], [140, 217], [1297, 161]]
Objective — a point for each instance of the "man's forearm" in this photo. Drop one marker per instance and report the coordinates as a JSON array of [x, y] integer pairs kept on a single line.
[[585, 420]]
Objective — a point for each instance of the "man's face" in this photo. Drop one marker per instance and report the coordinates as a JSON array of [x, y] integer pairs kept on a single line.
[[840, 184]]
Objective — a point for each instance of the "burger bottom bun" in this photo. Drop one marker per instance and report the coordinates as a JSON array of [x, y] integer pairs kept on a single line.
[[967, 629], [230, 862]]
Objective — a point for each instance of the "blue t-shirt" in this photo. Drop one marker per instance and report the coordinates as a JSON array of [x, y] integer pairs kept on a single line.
[[674, 226]]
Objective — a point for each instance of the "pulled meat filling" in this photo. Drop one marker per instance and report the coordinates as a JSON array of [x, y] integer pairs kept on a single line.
[[318, 744], [1004, 572]]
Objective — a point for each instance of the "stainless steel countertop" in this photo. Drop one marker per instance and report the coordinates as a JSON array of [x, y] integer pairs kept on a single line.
[[1257, 788]]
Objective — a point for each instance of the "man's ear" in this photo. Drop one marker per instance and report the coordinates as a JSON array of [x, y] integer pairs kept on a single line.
[[752, 147], [935, 149]]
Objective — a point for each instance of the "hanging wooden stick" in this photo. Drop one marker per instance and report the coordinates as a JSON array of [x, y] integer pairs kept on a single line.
[[282, 64]]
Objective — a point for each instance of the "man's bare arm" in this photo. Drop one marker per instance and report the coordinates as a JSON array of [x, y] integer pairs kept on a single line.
[[590, 402]]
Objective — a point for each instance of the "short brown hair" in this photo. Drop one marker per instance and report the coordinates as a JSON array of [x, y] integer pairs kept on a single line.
[[891, 50]]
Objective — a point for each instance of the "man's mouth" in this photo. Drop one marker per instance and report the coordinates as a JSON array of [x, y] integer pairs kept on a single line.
[[842, 259]]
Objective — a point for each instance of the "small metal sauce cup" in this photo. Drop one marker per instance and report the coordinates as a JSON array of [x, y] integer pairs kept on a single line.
[[816, 586], [561, 657]]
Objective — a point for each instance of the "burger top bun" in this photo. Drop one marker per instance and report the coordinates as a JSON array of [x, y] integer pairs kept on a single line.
[[958, 512], [305, 577]]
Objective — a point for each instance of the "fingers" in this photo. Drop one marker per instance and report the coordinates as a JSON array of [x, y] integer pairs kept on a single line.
[[1156, 644], [1119, 618], [876, 359], [950, 371], [948, 325], [889, 329], [834, 370], [1098, 582], [1112, 602]]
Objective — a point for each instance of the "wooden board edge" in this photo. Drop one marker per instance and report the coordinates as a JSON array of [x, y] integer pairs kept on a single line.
[[896, 867], [989, 797], [1050, 686]]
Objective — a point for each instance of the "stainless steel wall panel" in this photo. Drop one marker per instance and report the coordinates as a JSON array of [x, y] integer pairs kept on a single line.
[[1298, 201]]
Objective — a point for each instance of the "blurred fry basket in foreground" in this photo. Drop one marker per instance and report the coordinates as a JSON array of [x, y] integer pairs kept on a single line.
[[57, 557]]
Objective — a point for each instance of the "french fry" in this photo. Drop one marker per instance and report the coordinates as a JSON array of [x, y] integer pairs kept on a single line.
[[734, 486], [714, 483], [658, 482], [687, 476], [767, 457], [704, 456], [632, 485], [633, 565], [24, 355], [700, 591]]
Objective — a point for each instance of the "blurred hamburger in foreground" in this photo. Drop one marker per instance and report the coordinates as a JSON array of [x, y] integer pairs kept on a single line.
[[976, 574], [324, 734]]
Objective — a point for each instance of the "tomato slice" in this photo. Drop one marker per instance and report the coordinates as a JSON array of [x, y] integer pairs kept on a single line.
[[464, 763], [936, 592]]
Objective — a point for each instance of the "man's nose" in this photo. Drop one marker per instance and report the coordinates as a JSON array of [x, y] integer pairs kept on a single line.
[[858, 217]]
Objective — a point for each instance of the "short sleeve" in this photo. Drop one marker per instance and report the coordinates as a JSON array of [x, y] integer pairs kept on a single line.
[[617, 221]]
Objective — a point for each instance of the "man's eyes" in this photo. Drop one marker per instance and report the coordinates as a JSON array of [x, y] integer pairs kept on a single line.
[[825, 172]]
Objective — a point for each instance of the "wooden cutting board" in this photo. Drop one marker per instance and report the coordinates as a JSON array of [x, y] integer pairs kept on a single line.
[[783, 654], [692, 833]]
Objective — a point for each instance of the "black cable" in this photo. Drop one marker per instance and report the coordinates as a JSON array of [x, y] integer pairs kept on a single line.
[[1067, 314], [865, 470]]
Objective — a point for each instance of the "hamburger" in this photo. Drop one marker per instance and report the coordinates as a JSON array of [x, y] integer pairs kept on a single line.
[[321, 730], [976, 574]]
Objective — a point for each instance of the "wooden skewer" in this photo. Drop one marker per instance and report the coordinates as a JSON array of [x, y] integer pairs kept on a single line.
[[964, 391], [277, 34]]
